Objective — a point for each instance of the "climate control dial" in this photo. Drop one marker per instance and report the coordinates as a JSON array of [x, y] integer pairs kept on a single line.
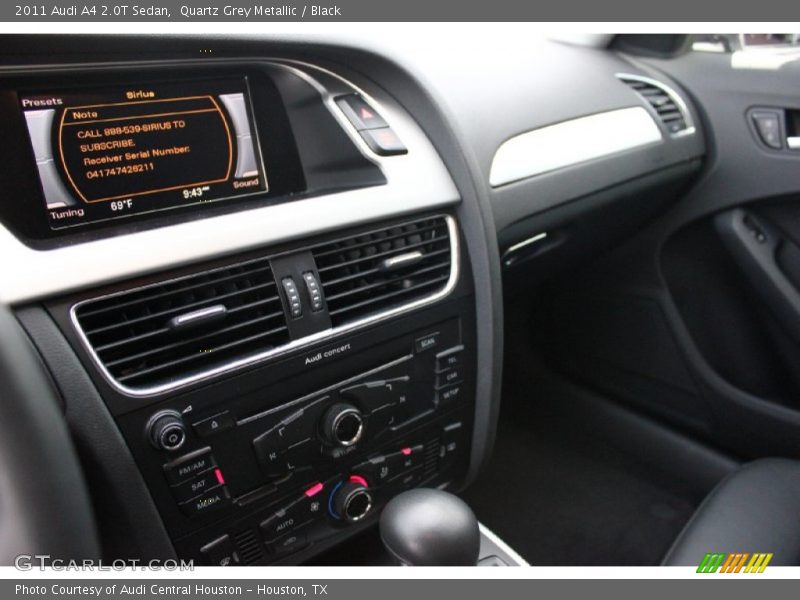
[[351, 500]]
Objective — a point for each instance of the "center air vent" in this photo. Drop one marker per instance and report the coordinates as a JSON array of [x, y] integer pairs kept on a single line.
[[153, 337], [665, 101], [385, 268]]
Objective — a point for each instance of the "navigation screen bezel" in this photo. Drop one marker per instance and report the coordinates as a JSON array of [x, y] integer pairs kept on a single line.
[[22, 201]]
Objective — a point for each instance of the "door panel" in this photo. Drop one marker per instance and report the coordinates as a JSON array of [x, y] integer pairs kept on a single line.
[[697, 319]]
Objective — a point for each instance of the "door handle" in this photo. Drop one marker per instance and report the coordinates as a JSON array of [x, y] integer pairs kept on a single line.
[[754, 246]]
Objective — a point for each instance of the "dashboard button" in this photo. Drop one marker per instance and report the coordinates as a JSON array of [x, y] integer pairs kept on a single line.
[[449, 394], [292, 297], [215, 424], [449, 358], [373, 396], [189, 465], [449, 377], [208, 502], [427, 342], [291, 542], [450, 444], [407, 479], [383, 142], [360, 114], [220, 553], [288, 518], [199, 485], [314, 291], [769, 128], [381, 419]]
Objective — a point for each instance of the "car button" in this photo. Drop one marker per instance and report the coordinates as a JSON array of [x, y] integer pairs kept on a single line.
[[449, 377]]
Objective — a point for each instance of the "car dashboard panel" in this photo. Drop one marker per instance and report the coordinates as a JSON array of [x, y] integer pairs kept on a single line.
[[272, 285]]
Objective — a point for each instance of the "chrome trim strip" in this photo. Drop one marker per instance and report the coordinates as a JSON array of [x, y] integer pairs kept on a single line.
[[674, 96], [572, 142], [275, 352], [512, 554], [523, 244]]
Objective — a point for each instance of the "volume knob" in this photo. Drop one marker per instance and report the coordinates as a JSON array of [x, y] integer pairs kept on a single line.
[[342, 425], [166, 430]]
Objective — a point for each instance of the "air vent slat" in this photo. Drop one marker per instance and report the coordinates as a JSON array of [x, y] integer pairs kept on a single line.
[[357, 283], [384, 254], [332, 299], [663, 101], [181, 361], [400, 292], [165, 330], [132, 339], [225, 276], [180, 309], [194, 340], [369, 242]]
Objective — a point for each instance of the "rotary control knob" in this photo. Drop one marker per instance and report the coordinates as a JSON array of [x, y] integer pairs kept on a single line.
[[342, 425], [351, 500], [166, 430]]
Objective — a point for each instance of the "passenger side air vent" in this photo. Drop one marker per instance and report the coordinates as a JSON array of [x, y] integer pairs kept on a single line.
[[664, 100], [154, 336], [385, 268]]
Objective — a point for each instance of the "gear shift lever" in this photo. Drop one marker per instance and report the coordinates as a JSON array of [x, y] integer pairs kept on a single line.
[[426, 527]]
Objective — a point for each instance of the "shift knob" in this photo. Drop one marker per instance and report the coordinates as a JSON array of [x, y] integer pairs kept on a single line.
[[426, 527]]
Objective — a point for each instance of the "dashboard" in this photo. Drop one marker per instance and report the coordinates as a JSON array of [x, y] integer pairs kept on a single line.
[[268, 284]]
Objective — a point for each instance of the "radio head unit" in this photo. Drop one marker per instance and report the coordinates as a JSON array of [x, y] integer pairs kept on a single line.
[[110, 152]]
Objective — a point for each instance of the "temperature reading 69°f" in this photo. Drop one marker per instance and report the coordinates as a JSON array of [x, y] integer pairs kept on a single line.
[[120, 205]]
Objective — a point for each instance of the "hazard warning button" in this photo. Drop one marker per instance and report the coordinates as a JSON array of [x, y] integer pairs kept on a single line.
[[359, 113]]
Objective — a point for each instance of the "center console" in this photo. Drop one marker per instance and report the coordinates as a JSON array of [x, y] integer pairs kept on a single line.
[[282, 398], [269, 288]]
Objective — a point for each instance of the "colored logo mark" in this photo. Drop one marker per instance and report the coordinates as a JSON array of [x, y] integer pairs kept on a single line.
[[737, 562]]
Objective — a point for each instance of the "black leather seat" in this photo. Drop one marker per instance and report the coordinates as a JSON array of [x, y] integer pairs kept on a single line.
[[755, 509]]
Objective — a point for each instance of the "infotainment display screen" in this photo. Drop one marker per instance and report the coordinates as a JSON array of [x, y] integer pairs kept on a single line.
[[105, 153]]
